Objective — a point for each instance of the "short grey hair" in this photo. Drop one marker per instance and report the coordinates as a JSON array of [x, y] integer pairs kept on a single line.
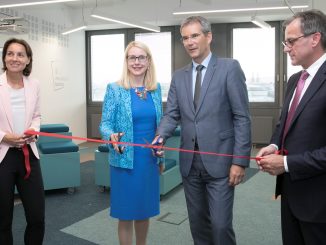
[[312, 21], [205, 24]]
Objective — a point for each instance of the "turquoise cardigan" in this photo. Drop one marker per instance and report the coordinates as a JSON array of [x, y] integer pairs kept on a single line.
[[117, 117]]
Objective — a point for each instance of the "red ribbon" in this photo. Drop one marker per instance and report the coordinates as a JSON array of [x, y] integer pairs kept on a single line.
[[139, 145], [27, 163], [282, 152]]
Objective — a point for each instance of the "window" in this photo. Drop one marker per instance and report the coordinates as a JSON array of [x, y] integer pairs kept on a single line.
[[107, 54], [160, 46], [254, 48]]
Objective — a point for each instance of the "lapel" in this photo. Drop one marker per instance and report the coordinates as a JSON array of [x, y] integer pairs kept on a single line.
[[288, 96], [207, 80], [5, 99], [156, 100], [126, 98], [315, 84], [188, 84], [28, 100]]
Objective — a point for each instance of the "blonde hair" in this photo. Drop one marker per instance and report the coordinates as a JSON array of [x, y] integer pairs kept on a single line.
[[150, 81]]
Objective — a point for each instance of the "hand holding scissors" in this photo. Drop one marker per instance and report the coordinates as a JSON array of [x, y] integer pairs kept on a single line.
[[158, 141], [116, 137]]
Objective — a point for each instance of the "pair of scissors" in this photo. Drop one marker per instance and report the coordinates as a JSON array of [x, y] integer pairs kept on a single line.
[[120, 147], [158, 142]]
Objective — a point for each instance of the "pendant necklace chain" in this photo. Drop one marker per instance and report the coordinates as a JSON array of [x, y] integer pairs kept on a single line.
[[142, 94]]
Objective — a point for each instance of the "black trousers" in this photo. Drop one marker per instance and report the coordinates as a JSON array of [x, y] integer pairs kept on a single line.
[[298, 232], [31, 191]]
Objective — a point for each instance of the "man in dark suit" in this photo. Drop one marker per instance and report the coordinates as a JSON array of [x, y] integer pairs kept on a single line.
[[301, 134], [216, 119]]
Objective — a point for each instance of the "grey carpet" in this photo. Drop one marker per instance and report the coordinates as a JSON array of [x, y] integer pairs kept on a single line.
[[64, 209], [82, 218]]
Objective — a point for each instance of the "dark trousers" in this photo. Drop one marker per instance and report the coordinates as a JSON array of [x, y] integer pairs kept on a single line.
[[31, 191], [297, 232], [210, 206]]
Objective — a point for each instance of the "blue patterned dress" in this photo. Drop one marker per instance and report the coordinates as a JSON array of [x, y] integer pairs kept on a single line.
[[135, 192]]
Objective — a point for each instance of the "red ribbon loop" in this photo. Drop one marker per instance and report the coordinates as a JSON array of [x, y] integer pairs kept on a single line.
[[27, 163]]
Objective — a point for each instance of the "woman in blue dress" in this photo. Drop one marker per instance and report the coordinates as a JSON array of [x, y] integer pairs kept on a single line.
[[131, 111]]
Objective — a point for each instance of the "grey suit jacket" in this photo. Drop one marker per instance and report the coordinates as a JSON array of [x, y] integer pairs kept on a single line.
[[221, 122]]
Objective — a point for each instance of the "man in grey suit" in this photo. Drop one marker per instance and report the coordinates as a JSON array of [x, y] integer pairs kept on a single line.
[[215, 120]]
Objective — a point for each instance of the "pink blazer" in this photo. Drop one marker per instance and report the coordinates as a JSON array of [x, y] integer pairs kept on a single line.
[[32, 117]]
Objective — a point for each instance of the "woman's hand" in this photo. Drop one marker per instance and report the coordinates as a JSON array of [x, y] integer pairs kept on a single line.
[[29, 138], [161, 167], [14, 140], [116, 138]]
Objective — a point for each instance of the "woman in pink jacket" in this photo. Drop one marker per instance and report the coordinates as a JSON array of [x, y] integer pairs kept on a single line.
[[19, 164]]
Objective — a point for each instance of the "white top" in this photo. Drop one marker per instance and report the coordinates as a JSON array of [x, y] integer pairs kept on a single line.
[[17, 99]]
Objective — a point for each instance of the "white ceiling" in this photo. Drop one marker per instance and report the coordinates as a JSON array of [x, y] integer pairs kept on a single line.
[[159, 12]]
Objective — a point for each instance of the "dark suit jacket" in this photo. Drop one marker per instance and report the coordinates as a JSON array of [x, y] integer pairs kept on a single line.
[[305, 184], [221, 122]]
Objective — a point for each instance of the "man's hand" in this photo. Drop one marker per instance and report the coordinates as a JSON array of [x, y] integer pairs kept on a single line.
[[273, 164], [158, 141], [265, 152], [236, 175]]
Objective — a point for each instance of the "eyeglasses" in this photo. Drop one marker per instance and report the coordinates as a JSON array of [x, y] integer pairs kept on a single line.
[[192, 37], [291, 41], [133, 58]]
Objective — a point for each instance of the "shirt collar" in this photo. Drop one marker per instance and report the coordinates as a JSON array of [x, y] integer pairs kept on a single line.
[[204, 63], [313, 69]]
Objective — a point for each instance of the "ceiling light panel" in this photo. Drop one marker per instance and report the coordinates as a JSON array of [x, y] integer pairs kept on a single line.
[[31, 3]]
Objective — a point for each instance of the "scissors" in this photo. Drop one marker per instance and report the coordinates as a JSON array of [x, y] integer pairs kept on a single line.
[[158, 142], [120, 147]]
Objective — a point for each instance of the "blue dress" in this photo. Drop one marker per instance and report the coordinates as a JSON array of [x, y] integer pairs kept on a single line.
[[135, 192]]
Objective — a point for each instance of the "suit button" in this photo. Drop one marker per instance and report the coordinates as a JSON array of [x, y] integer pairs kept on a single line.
[[193, 140]]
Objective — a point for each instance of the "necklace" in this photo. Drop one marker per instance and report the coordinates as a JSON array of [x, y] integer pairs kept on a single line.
[[142, 94]]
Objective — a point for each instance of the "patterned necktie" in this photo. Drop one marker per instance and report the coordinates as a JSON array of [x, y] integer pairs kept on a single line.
[[295, 102], [199, 68]]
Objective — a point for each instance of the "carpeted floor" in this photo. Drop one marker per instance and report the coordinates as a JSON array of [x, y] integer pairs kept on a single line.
[[170, 228], [82, 218], [64, 209]]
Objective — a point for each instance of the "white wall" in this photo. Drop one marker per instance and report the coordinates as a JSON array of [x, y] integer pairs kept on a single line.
[[318, 4], [59, 65]]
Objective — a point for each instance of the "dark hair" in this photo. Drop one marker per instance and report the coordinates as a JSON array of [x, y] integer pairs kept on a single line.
[[205, 25], [312, 21], [28, 69]]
